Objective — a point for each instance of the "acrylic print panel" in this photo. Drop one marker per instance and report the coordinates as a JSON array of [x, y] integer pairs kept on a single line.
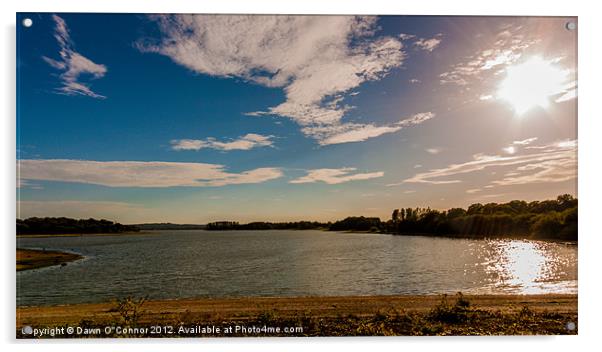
[[261, 175]]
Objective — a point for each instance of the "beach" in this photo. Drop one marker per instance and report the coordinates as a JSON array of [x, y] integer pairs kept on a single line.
[[319, 316], [33, 259]]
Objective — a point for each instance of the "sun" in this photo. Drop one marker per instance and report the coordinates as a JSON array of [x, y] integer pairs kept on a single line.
[[531, 83]]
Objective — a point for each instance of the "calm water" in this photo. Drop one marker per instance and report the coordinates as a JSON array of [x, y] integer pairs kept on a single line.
[[174, 264]]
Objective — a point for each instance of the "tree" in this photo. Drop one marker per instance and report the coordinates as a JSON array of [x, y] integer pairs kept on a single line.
[[455, 212], [395, 215], [476, 208]]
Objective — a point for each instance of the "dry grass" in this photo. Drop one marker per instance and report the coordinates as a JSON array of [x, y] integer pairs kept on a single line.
[[325, 316]]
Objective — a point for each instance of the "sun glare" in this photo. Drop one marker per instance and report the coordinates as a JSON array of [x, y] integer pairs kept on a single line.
[[531, 83]]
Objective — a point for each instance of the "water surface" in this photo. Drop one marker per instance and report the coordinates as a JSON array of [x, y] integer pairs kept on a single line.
[[178, 264]]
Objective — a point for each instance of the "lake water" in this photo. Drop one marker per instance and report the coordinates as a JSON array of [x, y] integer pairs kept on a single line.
[[177, 264]]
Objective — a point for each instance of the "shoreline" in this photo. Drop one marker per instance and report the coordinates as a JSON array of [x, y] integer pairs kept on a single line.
[[488, 314], [462, 237], [29, 259]]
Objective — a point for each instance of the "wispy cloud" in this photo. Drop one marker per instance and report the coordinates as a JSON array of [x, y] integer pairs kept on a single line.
[[513, 147], [416, 119], [140, 173], [348, 132], [316, 60], [356, 132], [569, 91], [434, 150], [336, 176], [503, 49], [429, 44], [508, 49], [554, 162], [72, 64], [525, 141], [21, 183], [246, 142]]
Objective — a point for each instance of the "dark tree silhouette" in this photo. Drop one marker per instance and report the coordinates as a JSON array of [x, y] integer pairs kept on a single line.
[[70, 226]]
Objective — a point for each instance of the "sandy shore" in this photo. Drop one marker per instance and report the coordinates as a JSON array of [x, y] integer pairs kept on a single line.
[[33, 259], [286, 309]]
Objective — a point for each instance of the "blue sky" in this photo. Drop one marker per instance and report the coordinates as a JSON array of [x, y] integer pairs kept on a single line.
[[199, 118]]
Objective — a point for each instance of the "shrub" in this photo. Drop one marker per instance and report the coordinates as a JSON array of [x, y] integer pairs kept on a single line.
[[129, 309], [446, 312]]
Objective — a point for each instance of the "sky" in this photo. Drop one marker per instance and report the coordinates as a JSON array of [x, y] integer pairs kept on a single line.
[[197, 118]]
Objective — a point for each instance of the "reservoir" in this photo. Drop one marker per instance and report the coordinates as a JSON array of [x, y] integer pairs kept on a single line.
[[187, 264]]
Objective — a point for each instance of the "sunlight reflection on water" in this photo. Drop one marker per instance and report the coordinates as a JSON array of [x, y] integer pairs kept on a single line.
[[527, 267]]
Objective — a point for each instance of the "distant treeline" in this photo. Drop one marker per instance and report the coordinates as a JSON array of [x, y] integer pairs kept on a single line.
[[549, 219], [70, 226], [169, 226], [299, 225]]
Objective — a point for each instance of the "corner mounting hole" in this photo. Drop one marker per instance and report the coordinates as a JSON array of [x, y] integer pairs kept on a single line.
[[571, 26]]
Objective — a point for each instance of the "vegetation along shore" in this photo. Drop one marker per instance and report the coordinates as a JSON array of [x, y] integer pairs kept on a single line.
[[548, 219], [310, 316], [554, 219]]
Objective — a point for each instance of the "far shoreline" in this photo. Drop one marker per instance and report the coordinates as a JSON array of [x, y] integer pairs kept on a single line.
[[154, 232]]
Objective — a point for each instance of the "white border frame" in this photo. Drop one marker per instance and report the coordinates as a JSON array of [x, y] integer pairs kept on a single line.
[[589, 169]]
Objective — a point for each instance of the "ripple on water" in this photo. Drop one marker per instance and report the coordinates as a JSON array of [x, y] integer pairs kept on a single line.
[[182, 264]]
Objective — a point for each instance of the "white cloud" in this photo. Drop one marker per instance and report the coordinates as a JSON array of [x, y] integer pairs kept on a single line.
[[505, 48], [316, 60], [246, 142], [525, 141], [355, 132], [415, 80], [568, 92], [516, 145], [428, 44], [72, 64], [434, 150], [509, 150], [554, 162], [416, 119], [348, 132], [571, 94], [336, 176], [140, 173], [21, 183], [405, 36]]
